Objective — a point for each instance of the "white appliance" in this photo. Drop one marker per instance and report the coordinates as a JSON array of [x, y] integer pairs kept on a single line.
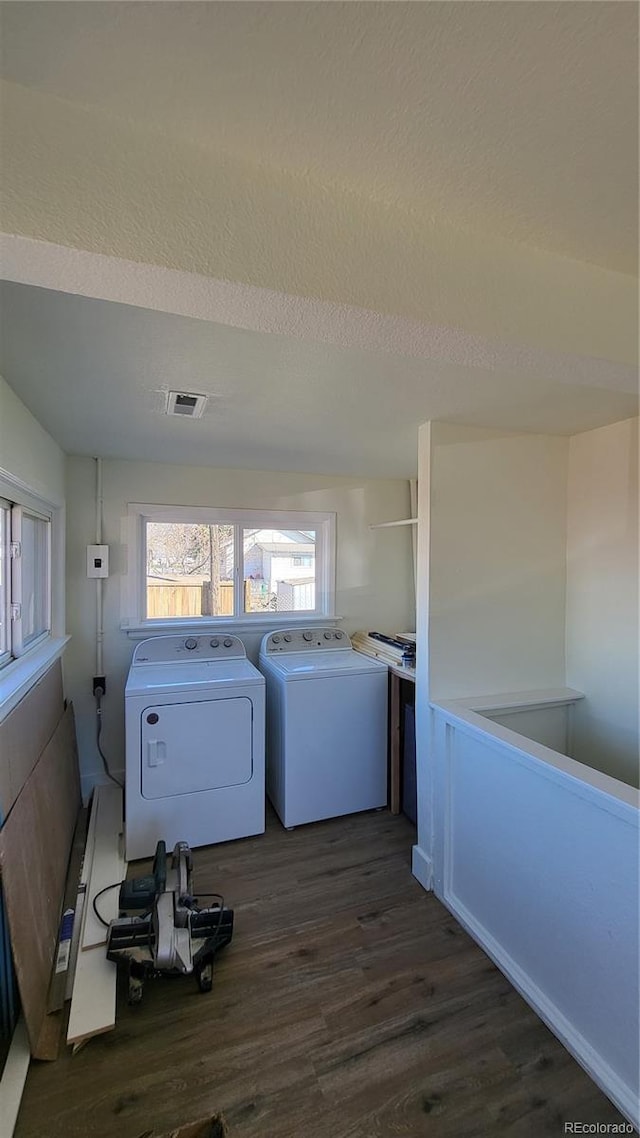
[[194, 718], [326, 725]]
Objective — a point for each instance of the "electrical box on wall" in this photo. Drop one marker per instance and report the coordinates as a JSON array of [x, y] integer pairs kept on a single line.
[[97, 561]]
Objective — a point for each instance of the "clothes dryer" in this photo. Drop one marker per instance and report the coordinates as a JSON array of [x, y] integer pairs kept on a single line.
[[195, 771]]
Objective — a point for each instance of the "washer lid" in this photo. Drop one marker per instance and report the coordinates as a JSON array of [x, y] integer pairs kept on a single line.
[[318, 665], [192, 675]]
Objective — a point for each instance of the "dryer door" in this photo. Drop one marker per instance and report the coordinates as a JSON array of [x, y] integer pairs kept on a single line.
[[190, 747]]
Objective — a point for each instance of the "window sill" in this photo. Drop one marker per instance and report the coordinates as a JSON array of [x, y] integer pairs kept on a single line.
[[18, 677], [230, 624]]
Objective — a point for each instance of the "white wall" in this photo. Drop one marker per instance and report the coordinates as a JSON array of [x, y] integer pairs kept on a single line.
[[602, 597], [374, 567], [27, 451], [497, 548], [491, 577], [549, 726]]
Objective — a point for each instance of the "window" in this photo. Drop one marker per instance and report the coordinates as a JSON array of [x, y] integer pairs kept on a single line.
[[198, 564], [25, 579], [5, 591]]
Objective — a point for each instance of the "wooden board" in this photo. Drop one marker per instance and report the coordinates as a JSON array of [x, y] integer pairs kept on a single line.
[[25, 733], [93, 1000], [93, 1003], [108, 866], [63, 962], [34, 854], [369, 646]]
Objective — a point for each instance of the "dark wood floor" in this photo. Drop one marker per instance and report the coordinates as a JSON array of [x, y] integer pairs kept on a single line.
[[349, 1005]]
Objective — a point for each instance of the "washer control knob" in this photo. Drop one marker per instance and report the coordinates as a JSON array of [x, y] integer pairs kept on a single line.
[[215, 643], [327, 636], [191, 643], [227, 642], [339, 635], [275, 639], [288, 638], [307, 636]]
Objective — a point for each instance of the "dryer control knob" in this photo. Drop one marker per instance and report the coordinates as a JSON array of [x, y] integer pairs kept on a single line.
[[191, 643], [275, 639], [288, 638], [215, 643], [227, 642], [327, 636], [339, 635], [307, 636]]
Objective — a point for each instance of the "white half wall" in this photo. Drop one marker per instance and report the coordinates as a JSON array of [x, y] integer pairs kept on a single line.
[[374, 572], [602, 597], [538, 858]]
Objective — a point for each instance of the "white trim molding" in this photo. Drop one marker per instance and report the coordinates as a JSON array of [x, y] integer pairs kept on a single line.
[[422, 868], [20, 675], [133, 596]]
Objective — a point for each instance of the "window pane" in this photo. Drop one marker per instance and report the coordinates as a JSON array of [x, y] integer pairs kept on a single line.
[[35, 577], [189, 570], [4, 583], [279, 570]]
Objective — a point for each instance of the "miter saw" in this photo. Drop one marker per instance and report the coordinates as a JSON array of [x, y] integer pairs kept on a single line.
[[174, 937]]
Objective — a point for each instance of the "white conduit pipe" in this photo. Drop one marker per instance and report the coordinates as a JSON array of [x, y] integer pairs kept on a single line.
[[99, 598]]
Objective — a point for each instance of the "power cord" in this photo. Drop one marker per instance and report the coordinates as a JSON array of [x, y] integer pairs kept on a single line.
[[117, 884], [98, 734], [106, 889], [220, 913]]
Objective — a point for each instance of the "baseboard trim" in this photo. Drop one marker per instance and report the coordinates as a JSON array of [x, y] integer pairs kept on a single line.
[[422, 868]]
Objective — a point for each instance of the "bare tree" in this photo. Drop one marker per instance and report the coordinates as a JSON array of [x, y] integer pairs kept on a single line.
[[191, 550]]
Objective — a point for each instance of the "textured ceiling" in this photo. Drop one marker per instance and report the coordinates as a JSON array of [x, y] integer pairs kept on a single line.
[[518, 119], [94, 373], [451, 184]]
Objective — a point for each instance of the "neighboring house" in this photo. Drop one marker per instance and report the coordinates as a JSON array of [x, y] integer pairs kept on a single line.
[[285, 561]]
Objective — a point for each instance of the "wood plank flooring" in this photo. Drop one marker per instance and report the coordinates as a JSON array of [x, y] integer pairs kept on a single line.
[[350, 1004]]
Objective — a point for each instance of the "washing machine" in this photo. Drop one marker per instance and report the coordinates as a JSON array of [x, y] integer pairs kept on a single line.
[[194, 743], [326, 725]]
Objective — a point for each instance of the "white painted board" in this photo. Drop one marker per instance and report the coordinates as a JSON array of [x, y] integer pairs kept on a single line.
[[108, 866]]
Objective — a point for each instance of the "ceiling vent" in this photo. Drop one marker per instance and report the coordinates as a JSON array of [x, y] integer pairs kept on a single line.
[[185, 403]]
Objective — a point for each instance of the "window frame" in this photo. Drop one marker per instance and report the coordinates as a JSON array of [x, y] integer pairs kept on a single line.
[[134, 592], [6, 654], [18, 673], [21, 644]]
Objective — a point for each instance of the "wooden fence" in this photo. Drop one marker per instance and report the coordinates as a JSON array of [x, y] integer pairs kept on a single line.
[[174, 599], [167, 599]]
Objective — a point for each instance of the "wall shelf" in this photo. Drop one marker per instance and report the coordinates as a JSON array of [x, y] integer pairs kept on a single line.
[[387, 525]]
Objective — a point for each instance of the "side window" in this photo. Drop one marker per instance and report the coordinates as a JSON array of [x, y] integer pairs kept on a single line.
[[5, 583], [25, 579]]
